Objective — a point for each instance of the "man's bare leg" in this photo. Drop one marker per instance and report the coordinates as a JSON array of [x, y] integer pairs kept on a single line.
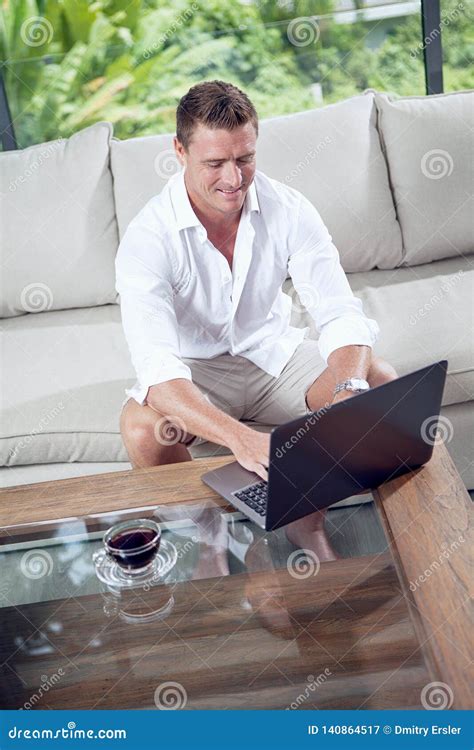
[[309, 532], [140, 426]]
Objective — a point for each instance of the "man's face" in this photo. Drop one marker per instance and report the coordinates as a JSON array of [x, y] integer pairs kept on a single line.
[[220, 166]]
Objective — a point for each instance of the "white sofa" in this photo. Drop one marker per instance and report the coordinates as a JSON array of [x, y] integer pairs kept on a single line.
[[391, 178]]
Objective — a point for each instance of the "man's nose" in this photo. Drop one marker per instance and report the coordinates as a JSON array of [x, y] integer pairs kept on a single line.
[[232, 174]]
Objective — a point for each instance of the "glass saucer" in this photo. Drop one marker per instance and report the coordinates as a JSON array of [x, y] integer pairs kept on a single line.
[[110, 573]]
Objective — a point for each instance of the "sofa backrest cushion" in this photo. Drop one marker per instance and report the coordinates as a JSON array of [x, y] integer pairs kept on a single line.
[[58, 228], [429, 150], [332, 155]]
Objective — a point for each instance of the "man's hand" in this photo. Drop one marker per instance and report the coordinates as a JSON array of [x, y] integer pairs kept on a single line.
[[252, 450]]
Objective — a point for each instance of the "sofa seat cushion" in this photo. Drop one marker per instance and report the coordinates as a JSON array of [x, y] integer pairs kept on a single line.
[[430, 156], [63, 387], [332, 155], [58, 226], [425, 314]]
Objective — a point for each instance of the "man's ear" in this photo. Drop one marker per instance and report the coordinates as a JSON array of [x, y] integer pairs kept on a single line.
[[180, 151]]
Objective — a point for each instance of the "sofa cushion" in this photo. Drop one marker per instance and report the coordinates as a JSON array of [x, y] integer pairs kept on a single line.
[[59, 232], [429, 149], [425, 314], [332, 155]]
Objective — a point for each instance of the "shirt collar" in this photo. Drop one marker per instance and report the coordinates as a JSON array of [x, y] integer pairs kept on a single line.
[[184, 213]]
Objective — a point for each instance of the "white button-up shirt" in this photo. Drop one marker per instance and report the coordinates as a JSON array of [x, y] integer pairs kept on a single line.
[[179, 297]]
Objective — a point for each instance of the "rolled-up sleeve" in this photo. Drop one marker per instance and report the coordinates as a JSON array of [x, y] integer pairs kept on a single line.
[[322, 285], [144, 281]]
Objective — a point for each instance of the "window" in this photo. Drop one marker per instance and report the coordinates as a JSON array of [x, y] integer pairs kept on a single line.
[[75, 63]]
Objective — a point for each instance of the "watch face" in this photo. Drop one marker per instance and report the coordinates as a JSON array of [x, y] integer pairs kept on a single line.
[[358, 384]]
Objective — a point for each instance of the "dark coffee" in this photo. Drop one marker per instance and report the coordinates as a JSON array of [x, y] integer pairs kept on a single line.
[[134, 548]]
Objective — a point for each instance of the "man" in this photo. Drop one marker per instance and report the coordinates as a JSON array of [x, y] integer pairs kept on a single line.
[[200, 271]]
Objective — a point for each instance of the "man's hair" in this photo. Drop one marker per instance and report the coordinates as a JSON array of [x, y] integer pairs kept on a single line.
[[215, 104]]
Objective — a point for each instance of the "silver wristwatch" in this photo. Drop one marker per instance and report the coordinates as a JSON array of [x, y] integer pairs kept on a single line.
[[352, 384]]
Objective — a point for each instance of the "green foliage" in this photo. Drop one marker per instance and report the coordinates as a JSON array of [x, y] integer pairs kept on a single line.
[[129, 61]]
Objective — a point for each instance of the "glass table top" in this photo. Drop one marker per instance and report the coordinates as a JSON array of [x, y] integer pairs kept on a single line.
[[243, 619]]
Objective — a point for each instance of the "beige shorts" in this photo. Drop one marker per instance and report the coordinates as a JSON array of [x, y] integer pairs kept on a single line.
[[244, 391]]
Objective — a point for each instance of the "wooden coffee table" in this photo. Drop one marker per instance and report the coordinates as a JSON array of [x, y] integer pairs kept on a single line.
[[366, 632]]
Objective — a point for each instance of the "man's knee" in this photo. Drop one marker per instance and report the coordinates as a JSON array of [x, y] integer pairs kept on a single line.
[[136, 428], [143, 427], [380, 372]]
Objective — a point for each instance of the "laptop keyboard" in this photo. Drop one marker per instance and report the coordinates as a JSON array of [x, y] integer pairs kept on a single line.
[[255, 497]]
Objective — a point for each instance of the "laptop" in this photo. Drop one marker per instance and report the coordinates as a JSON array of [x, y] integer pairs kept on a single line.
[[352, 446]]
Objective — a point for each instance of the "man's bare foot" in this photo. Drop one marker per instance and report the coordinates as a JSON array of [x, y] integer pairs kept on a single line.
[[212, 533], [309, 533], [212, 563], [264, 593]]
